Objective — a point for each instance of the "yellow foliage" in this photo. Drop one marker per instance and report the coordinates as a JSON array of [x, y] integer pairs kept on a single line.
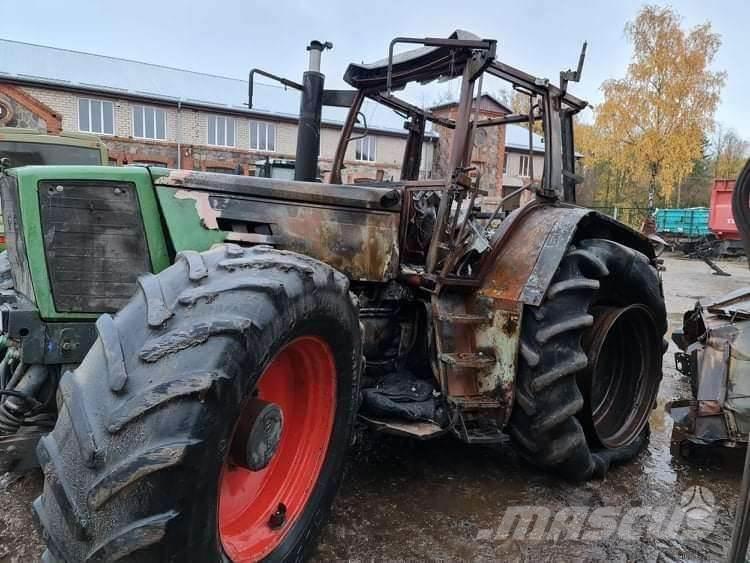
[[651, 124], [519, 103]]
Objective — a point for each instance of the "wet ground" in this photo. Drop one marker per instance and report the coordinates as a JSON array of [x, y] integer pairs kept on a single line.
[[443, 500]]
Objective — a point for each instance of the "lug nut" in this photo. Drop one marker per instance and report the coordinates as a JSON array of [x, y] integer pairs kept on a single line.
[[278, 518]]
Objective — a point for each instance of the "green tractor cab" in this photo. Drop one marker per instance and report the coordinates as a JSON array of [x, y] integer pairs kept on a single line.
[[25, 147], [187, 352]]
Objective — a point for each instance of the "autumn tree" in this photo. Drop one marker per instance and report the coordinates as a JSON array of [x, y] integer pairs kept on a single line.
[[729, 153], [695, 189], [652, 122], [519, 102]]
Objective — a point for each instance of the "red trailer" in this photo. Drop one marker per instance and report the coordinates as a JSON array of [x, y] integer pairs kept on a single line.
[[720, 219]]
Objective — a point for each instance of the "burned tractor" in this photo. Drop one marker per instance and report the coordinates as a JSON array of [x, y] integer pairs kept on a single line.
[[191, 350]]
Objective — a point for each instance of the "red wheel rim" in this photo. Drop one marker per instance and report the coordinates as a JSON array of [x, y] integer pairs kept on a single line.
[[301, 380]]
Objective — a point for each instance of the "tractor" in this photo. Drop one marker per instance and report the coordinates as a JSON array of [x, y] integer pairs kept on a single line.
[[186, 354]]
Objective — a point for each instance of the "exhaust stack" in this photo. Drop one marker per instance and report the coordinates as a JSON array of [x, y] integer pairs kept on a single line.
[[311, 105]]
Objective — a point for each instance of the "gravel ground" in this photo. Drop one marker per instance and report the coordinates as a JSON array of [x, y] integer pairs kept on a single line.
[[442, 499]]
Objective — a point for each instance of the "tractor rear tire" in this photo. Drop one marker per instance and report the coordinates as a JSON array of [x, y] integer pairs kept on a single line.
[[546, 422], [143, 465]]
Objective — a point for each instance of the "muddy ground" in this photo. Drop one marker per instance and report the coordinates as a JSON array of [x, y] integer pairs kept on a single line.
[[443, 500]]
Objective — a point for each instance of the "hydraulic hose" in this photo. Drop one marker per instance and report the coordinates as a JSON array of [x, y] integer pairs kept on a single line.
[[741, 207]]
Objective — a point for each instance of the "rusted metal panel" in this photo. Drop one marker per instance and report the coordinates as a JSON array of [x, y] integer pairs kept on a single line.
[[361, 197], [530, 245], [717, 359], [502, 336], [733, 304], [531, 242], [361, 243], [483, 337], [738, 381]]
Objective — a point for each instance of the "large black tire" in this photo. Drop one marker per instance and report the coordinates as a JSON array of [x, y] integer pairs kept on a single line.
[[133, 465], [544, 423]]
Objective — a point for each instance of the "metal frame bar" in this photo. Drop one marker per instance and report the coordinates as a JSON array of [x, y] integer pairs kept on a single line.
[[399, 105], [533, 84], [483, 44], [345, 138], [282, 80], [550, 104]]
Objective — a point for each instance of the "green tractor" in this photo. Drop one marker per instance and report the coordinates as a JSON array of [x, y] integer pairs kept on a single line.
[[24, 147], [188, 353]]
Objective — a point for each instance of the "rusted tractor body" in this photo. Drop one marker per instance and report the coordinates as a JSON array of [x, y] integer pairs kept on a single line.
[[209, 417]]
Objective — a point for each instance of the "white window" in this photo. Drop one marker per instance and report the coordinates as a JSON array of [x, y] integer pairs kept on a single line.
[[523, 165], [149, 122], [365, 149], [96, 116], [221, 130], [262, 136]]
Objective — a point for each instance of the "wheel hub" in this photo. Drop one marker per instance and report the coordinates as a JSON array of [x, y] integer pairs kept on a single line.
[[622, 378], [258, 435], [278, 449]]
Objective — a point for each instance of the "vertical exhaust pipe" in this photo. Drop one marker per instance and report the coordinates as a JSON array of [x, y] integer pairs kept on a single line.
[[311, 105]]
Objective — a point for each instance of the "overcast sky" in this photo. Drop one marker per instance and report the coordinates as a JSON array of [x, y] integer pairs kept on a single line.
[[228, 37]]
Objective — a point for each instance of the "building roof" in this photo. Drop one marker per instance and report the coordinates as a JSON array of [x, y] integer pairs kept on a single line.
[[33, 64]]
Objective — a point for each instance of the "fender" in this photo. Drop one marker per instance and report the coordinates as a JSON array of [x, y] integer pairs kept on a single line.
[[526, 251], [530, 244]]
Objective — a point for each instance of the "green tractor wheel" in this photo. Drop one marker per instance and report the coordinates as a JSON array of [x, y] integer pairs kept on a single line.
[[211, 417]]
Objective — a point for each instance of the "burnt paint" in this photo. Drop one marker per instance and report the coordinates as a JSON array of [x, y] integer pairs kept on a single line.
[[361, 243]]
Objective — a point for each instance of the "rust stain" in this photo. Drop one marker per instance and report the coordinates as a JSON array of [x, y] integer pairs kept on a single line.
[[709, 408], [510, 326], [179, 177], [519, 253], [361, 243]]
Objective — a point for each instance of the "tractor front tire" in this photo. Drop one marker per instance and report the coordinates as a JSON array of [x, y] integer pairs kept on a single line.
[[551, 423], [156, 455]]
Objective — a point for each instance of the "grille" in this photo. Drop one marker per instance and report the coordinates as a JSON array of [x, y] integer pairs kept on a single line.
[[94, 242]]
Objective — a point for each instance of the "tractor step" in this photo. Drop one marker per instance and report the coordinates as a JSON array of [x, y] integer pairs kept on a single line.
[[471, 432], [475, 360], [476, 403], [484, 436], [464, 318]]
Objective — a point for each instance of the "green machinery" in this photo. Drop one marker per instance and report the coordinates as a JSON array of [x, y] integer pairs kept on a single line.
[[24, 147]]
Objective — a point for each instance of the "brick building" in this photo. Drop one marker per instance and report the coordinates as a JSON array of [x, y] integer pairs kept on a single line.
[[489, 143], [501, 154], [153, 114]]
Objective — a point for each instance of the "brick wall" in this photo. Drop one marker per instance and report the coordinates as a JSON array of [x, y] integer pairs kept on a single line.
[[18, 115], [487, 156]]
